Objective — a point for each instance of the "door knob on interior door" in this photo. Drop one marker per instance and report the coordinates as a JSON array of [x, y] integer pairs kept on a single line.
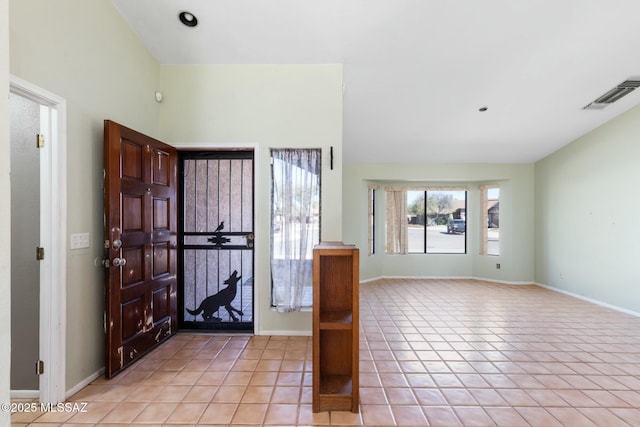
[[119, 262]]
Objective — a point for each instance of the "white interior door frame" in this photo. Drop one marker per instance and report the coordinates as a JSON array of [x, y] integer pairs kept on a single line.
[[53, 230]]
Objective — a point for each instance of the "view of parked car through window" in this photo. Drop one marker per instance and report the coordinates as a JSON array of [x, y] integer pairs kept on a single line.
[[437, 221], [457, 226]]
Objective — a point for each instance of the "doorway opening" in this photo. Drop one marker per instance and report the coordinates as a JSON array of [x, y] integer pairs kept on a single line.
[[216, 231], [25, 237], [34, 109]]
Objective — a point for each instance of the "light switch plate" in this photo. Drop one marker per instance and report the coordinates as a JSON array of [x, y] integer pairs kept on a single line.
[[80, 240]]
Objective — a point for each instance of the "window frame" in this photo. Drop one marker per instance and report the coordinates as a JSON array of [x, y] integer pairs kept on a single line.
[[371, 217], [399, 246], [484, 218], [425, 247], [307, 288]]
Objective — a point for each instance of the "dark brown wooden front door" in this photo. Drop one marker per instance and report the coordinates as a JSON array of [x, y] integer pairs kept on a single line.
[[140, 209]]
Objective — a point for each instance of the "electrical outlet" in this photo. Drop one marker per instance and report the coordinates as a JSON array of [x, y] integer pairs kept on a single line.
[[498, 266], [561, 274]]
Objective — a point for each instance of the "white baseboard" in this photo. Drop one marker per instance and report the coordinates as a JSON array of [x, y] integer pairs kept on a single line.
[[25, 394], [285, 333], [430, 277], [591, 300], [505, 282], [418, 278], [82, 384], [484, 279]]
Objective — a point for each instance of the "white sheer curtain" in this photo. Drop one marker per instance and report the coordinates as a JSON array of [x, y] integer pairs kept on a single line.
[[371, 240], [484, 218], [397, 221], [295, 225]]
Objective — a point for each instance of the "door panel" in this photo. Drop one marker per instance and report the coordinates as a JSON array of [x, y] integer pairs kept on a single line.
[[140, 244]]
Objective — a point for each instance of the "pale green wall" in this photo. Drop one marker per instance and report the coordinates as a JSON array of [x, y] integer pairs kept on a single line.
[[5, 219], [516, 218], [85, 53], [587, 208], [262, 106]]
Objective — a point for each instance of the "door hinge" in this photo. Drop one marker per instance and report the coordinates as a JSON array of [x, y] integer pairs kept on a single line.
[[39, 367], [40, 140], [39, 253]]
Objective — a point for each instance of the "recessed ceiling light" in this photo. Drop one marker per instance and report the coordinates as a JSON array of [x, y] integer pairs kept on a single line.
[[483, 109], [188, 19]]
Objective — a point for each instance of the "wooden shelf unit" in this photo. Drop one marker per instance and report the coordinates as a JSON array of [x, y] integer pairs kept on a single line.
[[335, 327]]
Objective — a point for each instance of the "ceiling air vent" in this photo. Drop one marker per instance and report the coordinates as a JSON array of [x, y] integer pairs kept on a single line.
[[624, 88]]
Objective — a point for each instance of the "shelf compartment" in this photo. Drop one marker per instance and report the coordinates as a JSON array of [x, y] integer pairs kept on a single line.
[[336, 393], [336, 384], [336, 292], [336, 353]]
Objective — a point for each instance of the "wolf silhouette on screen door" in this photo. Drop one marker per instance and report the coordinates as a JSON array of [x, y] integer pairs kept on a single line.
[[212, 304]]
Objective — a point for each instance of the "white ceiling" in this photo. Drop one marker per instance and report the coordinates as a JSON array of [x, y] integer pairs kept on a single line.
[[417, 71]]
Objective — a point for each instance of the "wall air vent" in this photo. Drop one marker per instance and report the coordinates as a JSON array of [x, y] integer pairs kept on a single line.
[[624, 88]]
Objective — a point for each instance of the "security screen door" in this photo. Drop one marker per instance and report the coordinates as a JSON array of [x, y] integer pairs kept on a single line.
[[216, 258]]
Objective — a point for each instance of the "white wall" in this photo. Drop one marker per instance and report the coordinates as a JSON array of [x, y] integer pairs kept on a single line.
[[516, 220], [5, 220], [263, 106], [85, 53], [587, 208]]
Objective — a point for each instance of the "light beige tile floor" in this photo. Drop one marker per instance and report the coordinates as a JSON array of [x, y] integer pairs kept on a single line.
[[433, 352]]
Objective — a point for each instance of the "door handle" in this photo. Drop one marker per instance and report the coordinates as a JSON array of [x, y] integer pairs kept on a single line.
[[119, 262]]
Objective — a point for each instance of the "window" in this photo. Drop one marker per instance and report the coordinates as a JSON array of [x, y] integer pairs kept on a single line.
[[372, 215], [428, 220], [295, 225], [490, 220], [437, 221]]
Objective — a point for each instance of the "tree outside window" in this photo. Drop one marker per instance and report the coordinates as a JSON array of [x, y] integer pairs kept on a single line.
[[436, 221]]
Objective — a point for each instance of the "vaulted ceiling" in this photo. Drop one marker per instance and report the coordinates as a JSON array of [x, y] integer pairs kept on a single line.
[[417, 72]]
